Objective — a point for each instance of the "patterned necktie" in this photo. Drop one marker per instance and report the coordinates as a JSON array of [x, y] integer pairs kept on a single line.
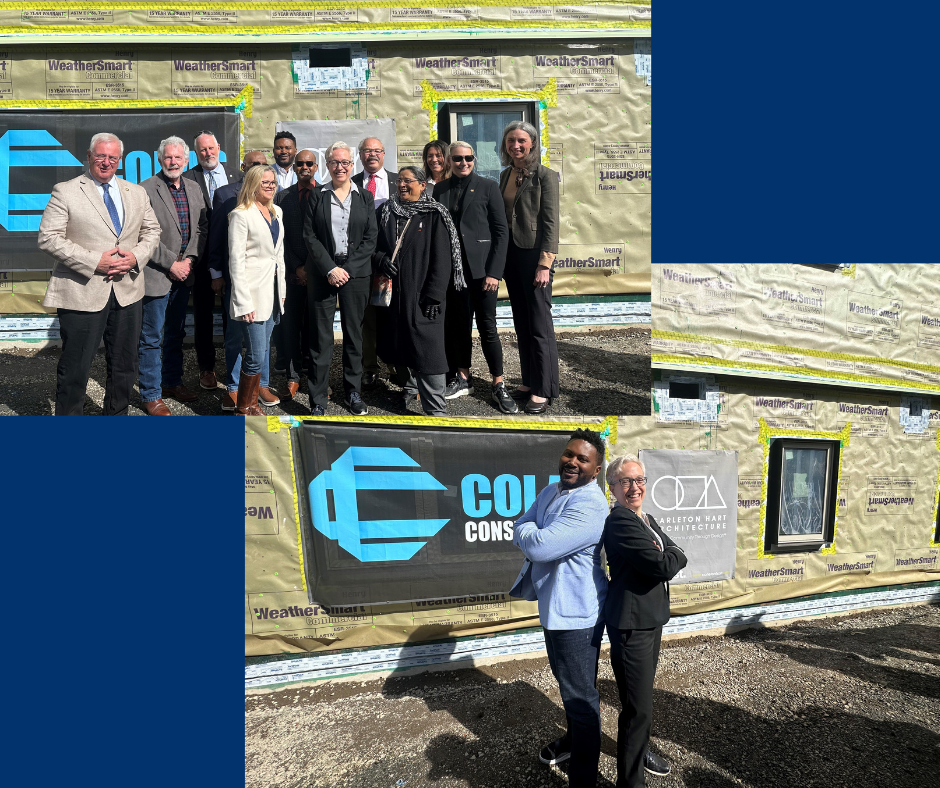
[[112, 208], [212, 185], [372, 185]]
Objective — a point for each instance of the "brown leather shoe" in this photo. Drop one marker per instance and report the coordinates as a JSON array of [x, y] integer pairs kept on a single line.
[[229, 401], [180, 393], [207, 380], [247, 401], [157, 407], [267, 397], [292, 388]]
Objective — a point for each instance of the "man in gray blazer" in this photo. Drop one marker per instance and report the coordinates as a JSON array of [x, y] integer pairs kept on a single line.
[[181, 211], [101, 231]]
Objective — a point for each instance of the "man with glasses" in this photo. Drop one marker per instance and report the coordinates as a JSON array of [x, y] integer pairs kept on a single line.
[[560, 537], [340, 231], [101, 231], [178, 205], [480, 217], [210, 174], [293, 202], [376, 180]]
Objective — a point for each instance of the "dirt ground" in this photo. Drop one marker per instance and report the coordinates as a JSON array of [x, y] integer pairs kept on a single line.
[[848, 702], [603, 372]]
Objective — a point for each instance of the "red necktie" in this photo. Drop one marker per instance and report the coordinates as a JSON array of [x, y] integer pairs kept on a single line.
[[372, 185]]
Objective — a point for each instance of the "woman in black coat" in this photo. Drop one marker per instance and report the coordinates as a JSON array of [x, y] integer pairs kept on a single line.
[[411, 328], [642, 560]]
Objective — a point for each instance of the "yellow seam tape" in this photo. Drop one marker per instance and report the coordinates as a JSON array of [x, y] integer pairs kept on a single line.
[[765, 433], [936, 498], [274, 424], [278, 5], [300, 544]]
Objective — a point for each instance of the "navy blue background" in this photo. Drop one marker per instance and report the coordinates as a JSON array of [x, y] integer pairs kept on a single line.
[[122, 650]]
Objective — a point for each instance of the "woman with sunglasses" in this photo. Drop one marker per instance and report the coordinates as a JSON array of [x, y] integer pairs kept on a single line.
[[419, 251], [642, 560], [530, 193], [258, 285], [340, 232], [436, 159]]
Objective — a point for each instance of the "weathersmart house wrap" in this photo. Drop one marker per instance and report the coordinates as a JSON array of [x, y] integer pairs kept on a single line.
[[582, 73]]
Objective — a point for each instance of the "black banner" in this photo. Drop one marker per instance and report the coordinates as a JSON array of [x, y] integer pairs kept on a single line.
[[397, 514], [41, 149]]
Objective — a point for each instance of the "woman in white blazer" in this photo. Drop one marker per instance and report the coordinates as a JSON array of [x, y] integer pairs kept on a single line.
[[256, 267]]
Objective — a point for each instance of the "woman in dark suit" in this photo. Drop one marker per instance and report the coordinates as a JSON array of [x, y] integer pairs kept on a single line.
[[340, 232], [530, 192], [642, 561], [411, 328]]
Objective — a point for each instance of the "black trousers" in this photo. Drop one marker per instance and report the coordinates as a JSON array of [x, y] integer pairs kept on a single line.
[[321, 302], [203, 310], [295, 329], [532, 318], [370, 359], [634, 654], [81, 334], [458, 326]]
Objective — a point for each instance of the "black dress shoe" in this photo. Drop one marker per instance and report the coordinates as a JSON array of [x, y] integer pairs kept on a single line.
[[519, 395], [536, 408], [656, 765]]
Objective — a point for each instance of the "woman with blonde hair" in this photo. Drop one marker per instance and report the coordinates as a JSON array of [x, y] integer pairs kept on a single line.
[[256, 267]]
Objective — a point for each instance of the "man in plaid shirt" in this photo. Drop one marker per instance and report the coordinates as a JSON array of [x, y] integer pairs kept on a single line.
[[181, 211]]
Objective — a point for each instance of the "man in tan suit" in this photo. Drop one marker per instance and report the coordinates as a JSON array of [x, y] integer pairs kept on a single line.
[[181, 211], [101, 231]]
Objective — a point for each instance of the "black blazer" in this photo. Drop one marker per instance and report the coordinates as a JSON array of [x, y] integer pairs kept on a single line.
[[362, 234], [295, 250], [535, 211], [483, 228], [195, 174], [217, 246], [637, 597]]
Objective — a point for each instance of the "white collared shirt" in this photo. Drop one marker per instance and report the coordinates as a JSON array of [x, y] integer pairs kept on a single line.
[[381, 185], [285, 178], [114, 191], [218, 175], [339, 216]]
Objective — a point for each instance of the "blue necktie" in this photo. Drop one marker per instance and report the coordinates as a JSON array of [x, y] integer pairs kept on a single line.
[[112, 209], [212, 185]]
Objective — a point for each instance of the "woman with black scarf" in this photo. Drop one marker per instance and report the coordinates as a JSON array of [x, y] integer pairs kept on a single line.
[[418, 249]]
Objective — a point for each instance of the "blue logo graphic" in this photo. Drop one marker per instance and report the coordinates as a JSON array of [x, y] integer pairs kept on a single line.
[[349, 531], [36, 203]]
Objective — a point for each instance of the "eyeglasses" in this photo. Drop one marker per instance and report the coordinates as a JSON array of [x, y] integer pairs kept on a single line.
[[344, 164], [459, 159], [268, 184], [109, 159], [400, 181], [372, 150], [626, 481]]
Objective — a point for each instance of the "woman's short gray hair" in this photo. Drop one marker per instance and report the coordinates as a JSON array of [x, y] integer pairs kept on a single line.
[[104, 136], [419, 174], [534, 155], [613, 468], [461, 144], [173, 141], [337, 146]]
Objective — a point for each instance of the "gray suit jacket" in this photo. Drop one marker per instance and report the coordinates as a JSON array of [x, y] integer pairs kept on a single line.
[[535, 210], [76, 229], [156, 276]]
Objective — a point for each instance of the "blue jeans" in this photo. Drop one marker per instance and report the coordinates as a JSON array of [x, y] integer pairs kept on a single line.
[[573, 656], [234, 339], [256, 338], [163, 324]]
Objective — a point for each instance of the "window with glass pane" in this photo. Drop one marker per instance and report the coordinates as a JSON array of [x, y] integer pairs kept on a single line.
[[801, 494], [482, 126]]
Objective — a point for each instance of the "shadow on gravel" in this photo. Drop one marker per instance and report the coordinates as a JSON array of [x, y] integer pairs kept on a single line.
[[846, 652], [619, 368], [703, 778], [823, 748], [507, 742]]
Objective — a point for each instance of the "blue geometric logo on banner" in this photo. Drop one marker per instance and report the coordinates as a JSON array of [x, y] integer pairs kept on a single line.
[[27, 158], [347, 529]]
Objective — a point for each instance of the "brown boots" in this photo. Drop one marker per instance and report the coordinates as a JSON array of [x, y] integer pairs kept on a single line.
[[247, 402]]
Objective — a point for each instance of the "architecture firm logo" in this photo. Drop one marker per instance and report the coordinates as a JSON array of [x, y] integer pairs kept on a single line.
[[347, 529], [686, 493], [29, 207]]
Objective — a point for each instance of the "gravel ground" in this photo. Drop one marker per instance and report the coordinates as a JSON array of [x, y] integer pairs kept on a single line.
[[847, 702], [602, 372]]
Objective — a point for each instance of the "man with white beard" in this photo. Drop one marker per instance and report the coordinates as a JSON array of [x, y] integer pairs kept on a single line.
[[168, 277]]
